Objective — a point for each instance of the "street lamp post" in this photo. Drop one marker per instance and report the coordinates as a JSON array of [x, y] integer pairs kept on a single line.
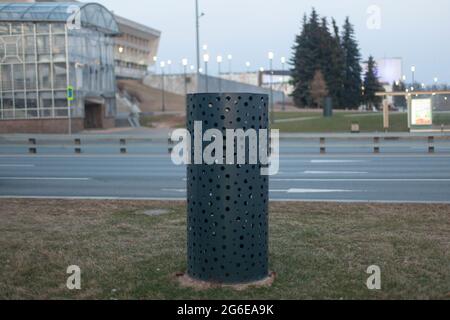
[[271, 56], [230, 58], [163, 93], [413, 71], [185, 63], [247, 65], [155, 60], [283, 63], [206, 60], [219, 62], [197, 35]]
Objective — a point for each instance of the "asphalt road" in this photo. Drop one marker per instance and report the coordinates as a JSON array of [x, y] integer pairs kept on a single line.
[[415, 177]]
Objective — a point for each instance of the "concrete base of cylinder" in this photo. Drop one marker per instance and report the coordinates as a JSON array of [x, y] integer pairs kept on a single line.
[[186, 281]]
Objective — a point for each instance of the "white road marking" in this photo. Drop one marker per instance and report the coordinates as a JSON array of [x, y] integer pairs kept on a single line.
[[44, 178], [174, 190], [337, 161], [17, 165], [318, 191], [334, 172]]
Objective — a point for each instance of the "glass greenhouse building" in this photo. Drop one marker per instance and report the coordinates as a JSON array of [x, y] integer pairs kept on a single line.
[[48, 49]]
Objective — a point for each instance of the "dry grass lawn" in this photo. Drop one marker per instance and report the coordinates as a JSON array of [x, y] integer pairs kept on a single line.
[[319, 251]]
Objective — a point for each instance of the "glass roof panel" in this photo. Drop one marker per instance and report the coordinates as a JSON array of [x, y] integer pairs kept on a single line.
[[93, 15]]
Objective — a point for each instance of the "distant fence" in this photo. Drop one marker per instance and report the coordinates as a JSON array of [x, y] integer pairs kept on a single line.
[[290, 144]]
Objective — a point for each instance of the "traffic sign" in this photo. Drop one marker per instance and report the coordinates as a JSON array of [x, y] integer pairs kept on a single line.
[[70, 93]]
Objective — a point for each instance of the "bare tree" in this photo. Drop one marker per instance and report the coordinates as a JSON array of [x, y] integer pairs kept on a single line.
[[318, 89]]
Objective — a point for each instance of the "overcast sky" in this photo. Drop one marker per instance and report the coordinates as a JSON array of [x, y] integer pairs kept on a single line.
[[416, 30]]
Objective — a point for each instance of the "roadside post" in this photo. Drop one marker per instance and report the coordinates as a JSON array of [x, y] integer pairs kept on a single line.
[[328, 108], [70, 98], [386, 116], [227, 215]]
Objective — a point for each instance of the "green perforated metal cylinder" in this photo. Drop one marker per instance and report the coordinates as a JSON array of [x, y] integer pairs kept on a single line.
[[227, 203]]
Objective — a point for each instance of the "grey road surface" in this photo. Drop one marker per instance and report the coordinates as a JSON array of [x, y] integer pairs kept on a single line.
[[414, 177]]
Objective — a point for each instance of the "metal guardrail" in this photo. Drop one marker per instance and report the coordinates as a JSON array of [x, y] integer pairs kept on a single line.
[[378, 144], [76, 144], [318, 143]]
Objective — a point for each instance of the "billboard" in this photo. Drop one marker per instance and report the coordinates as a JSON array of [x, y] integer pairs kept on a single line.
[[389, 70], [421, 112]]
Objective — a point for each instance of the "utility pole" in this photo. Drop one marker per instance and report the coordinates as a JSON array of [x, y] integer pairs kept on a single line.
[[197, 28]]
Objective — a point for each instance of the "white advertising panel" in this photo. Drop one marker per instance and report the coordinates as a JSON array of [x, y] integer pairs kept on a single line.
[[421, 112]]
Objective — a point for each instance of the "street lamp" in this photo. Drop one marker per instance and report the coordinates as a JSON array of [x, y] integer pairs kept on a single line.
[[198, 15], [283, 63], [169, 65], [435, 83], [219, 62], [413, 71], [271, 55], [163, 97], [206, 60], [247, 65], [155, 60], [184, 62], [121, 49], [230, 57]]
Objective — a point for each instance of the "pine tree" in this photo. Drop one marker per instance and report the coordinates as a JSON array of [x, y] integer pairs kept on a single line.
[[337, 68], [399, 101], [351, 93], [372, 85], [298, 61], [316, 48], [305, 60]]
